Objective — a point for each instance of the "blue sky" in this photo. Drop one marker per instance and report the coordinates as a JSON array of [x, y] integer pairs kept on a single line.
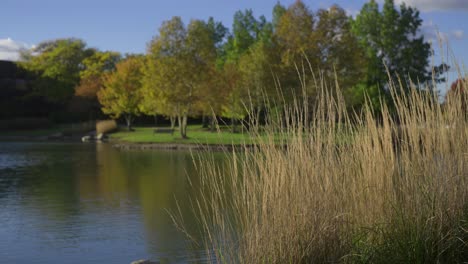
[[127, 26]]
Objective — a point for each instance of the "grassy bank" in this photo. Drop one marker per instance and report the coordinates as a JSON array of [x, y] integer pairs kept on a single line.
[[196, 134], [397, 194]]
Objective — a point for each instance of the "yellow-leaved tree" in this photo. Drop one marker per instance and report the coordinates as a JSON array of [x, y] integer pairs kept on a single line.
[[120, 95], [180, 63]]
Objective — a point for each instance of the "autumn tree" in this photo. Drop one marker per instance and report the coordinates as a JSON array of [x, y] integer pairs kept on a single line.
[[212, 92], [340, 52], [154, 102], [91, 80], [120, 95], [94, 67], [164, 63], [341, 58], [298, 48], [295, 35], [234, 104], [181, 60], [458, 93]]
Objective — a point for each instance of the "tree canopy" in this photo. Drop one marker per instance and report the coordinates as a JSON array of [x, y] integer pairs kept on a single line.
[[204, 69], [55, 66], [181, 63], [393, 41], [120, 94]]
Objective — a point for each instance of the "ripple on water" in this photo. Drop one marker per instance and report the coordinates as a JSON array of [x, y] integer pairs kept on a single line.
[[12, 161]]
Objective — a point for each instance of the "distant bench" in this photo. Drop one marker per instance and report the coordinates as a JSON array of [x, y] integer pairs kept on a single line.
[[161, 130]]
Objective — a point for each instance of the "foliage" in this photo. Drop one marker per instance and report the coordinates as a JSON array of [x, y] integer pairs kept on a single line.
[[202, 69], [91, 81], [295, 35], [182, 61], [95, 66], [55, 66], [233, 106], [457, 94], [340, 53], [392, 41], [120, 95]]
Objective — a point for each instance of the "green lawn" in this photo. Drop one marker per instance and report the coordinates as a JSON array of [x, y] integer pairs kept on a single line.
[[196, 135]]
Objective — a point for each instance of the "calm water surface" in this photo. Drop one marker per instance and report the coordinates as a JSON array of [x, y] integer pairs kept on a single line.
[[91, 203]]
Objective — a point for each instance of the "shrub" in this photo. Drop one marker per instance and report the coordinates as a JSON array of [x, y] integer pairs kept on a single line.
[[105, 126]]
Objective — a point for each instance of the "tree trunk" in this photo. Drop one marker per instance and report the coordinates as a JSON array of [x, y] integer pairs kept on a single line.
[[173, 121], [212, 123], [257, 118], [205, 120], [233, 124], [128, 119], [183, 125], [179, 120]]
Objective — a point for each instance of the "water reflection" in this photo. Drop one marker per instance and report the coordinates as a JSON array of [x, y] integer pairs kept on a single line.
[[91, 202]]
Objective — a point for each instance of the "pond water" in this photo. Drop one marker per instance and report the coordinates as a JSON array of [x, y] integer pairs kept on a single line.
[[91, 203]]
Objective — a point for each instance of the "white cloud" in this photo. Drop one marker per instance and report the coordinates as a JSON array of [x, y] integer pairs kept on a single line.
[[457, 34], [9, 49], [434, 35], [436, 5]]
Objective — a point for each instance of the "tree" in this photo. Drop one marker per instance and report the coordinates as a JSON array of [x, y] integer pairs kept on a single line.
[[458, 92], [234, 104], [181, 61], [295, 35], [340, 52], [120, 95], [296, 42], [247, 72], [91, 79], [392, 41], [218, 32], [257, 67], [278, 12], [212, 93], [245, 30], [154, 102], [94, 67], [164, 65], [341, 56], [56, 67]]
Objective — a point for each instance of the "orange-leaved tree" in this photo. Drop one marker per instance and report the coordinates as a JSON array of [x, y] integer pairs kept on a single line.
[[458, 93]]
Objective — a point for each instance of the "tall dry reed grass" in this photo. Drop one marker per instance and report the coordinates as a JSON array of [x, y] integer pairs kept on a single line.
[[327, 186]]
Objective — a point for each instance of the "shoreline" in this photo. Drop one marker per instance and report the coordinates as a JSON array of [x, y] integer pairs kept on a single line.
[[67, 139], [125, 145], [122, 145]]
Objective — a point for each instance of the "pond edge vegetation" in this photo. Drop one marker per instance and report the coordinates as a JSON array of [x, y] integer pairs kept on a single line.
[[398, 193]]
